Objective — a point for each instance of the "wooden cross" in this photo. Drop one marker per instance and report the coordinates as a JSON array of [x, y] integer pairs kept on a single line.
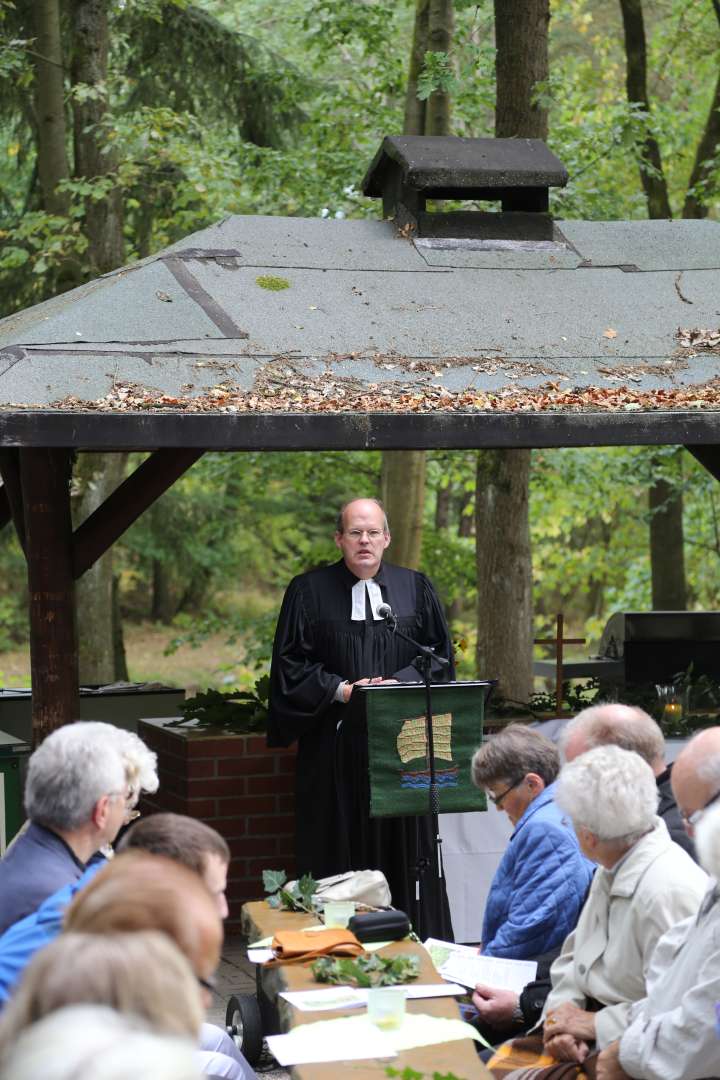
[[559, 641]]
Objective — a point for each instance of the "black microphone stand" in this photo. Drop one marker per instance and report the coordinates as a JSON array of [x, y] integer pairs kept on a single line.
[[435, 864]]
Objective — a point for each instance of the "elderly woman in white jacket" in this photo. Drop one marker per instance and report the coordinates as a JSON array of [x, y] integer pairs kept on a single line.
[[644, 884]]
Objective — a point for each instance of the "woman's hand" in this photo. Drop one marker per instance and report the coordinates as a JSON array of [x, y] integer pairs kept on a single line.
[[566, 1048], [568, 1019]]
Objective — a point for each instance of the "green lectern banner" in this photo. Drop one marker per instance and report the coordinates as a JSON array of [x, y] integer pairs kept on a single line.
[[397, 747]]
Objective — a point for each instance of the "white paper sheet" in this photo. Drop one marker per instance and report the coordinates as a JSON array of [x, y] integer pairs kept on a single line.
[[259, 956], [351, 997], [352, 1038], [464, 964], [491, 971]]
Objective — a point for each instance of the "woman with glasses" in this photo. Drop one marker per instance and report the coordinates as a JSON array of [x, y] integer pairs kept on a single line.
[[541, 882]]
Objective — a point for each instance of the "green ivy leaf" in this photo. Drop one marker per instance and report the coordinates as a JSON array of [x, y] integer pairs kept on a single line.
[[273, 880]]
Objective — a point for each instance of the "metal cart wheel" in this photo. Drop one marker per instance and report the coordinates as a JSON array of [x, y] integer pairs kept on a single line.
[[244, 1026]]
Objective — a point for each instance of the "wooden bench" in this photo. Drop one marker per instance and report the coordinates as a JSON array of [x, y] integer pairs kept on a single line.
[[260, 921]]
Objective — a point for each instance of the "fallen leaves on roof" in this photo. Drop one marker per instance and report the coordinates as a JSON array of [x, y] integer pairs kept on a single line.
[[330, 394], [698, 338]]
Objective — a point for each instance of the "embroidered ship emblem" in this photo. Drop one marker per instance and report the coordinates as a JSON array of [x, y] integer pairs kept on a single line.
[[412, 746]]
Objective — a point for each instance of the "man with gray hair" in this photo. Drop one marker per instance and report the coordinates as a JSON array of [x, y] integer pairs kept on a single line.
[[670, 1033], [630, 728], [82, 783]]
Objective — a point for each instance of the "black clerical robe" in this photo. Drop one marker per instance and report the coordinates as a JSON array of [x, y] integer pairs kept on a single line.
[[318, 646]]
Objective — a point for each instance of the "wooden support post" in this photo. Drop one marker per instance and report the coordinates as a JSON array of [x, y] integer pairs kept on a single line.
[[708, 454], [45, 478]]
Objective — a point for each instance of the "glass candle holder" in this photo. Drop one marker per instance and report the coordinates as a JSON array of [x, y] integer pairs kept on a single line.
[[338, 913]]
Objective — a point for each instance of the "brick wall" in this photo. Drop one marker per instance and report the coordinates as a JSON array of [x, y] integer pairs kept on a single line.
[[237, 785]]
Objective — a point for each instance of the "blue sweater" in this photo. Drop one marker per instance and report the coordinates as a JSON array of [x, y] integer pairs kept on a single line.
[[19, 944], [539, 887]]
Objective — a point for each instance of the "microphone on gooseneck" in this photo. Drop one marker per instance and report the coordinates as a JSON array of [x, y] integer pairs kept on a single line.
[[387, 613]]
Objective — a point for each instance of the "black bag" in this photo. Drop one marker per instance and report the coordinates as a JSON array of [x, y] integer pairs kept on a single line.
[[380, 926]]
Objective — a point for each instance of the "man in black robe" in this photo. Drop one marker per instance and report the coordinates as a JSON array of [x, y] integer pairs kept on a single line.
[[330, 639]]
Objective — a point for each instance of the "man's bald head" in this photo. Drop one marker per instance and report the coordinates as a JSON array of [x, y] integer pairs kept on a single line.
[[625, 726], [149, 892], [696, 774]]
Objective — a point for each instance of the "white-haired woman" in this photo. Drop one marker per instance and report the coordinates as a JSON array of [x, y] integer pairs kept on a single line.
[[643, 885]]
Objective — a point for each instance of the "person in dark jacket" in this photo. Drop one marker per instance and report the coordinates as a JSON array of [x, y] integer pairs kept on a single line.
[[630, 728]]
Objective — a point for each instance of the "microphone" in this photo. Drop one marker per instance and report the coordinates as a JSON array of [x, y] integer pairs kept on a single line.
[[386, 612]]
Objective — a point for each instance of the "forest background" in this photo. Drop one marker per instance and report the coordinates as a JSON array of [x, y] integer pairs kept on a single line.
[[197, 111]]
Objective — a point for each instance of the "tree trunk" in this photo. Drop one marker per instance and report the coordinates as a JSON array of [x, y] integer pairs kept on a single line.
[[443, 502], [440, 28], [94, 156], [703, 178], [504, 584], [96, 476], [52, 158], [162, 608], [667, 545], [119, 656], [651, 169], [502, 530], [414, 123], [521, 42], [403, 493]]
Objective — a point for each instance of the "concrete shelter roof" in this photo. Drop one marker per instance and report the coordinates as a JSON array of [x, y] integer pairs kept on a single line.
[[605, 334]]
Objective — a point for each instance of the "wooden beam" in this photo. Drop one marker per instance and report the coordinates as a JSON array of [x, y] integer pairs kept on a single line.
[[10, 472], [150, 480], [708, 454], [45, 483]]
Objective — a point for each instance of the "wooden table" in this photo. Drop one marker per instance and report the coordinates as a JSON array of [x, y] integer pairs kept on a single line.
[[260, 921]]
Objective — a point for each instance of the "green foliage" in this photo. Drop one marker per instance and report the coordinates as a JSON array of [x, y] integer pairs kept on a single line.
[[296, 898], [437, 74], [412, 1074], [366, 970], [237, 713]]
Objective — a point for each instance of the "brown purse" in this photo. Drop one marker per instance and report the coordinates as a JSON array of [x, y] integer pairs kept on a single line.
[[297, 946]]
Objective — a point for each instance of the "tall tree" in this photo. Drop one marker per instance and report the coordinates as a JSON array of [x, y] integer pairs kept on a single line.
[[97, 475], [403, 471], [652, 176], [667, 540], [502, 540], [52, 159]]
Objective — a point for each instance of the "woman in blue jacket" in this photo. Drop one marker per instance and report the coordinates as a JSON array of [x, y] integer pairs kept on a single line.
[[542, 880]]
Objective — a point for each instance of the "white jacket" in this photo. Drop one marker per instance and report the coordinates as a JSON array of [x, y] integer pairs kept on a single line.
[[628, 909], [671, 1033]]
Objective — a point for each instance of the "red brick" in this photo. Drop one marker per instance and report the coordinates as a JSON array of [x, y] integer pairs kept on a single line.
[[286, 848], [232, 766], [286, 764], [255, 867], [257, 744], [247, 804], [286, 803], [230, 827], [271, 826], [252, 845], [199, 808], [230, 746], [212, 785], [196, 768], [257, 785]]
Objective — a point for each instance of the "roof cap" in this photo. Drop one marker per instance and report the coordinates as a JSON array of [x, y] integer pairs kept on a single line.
[[409, 169]]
